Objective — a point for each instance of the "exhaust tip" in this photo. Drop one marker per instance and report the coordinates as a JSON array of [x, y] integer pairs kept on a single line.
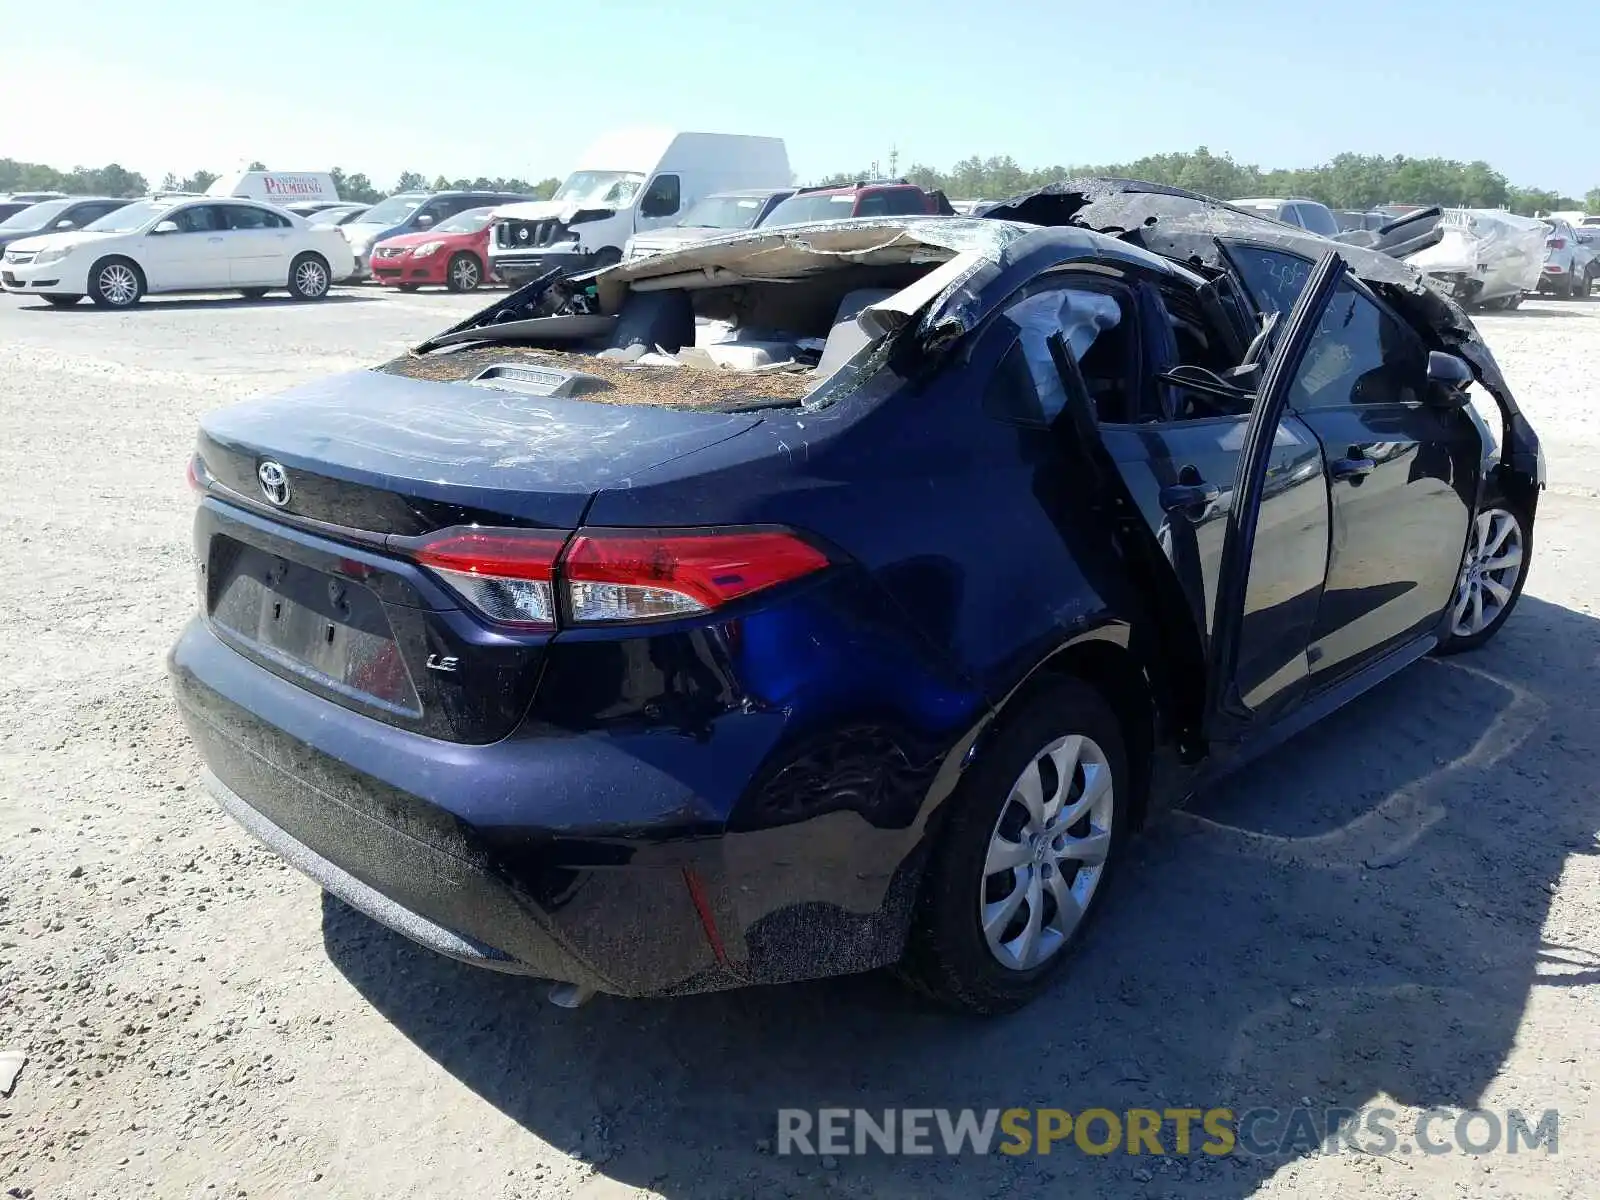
[[570, 995]]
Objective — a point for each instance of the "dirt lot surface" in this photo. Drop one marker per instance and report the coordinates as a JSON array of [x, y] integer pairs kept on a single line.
[[1398, 909]]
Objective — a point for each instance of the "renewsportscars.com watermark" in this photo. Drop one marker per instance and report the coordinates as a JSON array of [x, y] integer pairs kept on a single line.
[[1258, 1132]]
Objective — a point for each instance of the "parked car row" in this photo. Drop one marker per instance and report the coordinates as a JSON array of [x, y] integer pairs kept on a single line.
[[1485, 258]]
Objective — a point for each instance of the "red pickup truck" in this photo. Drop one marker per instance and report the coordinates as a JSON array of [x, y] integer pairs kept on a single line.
[[864, 198]]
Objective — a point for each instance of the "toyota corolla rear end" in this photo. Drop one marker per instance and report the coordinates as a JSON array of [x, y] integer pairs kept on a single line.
[[640, 760]]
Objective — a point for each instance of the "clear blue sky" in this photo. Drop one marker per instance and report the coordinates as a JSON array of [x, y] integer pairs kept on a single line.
[[469, 88]]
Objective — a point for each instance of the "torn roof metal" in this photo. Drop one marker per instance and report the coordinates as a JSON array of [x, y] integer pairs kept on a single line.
[[795, 251], [1186, 226]]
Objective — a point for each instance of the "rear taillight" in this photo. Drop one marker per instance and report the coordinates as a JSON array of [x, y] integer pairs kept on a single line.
[[612, 575], [640, 575], [508, 575], [1556, 243]]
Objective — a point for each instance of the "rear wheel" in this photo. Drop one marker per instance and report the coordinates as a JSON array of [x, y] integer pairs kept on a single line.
[[1022, 859], [309, 277], [464, 272], [62, 301], [1581, 282], [115, 283], [1494, 567]]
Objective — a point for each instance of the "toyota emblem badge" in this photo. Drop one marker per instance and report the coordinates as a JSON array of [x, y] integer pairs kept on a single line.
[[274, 482]]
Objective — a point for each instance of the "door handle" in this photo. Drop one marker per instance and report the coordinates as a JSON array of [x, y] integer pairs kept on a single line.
[[1356, 467], [1188, 495]]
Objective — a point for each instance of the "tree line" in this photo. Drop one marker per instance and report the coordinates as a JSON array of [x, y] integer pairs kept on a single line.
[[116, 180], [1357, 182], [1348, 181]]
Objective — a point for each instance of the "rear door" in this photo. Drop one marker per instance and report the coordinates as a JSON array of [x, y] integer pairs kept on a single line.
[[259, 245]]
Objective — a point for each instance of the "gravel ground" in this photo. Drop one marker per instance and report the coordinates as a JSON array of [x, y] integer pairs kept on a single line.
[[1399, 908]]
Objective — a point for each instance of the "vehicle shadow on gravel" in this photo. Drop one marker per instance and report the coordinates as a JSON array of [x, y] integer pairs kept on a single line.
[[1360, 916]]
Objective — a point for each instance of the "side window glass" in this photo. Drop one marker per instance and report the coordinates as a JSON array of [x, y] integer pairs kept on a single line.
[[1359, 355], [662, 198], [872, 204], [1010, 394], [1275, 277], [199, 218], [902, 201], [1082, 318], [242, 216]]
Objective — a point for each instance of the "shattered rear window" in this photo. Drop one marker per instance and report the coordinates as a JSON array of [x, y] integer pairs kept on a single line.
[[681, 387]]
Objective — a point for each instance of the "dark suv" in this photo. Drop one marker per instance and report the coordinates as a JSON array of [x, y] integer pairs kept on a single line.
[[59, 215]]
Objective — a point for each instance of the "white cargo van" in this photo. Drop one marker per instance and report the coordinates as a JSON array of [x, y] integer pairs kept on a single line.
[[276, 187], [628, 181]]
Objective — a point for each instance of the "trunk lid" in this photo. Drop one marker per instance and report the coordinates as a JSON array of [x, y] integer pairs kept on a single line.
[[386, 454], [321, 589]]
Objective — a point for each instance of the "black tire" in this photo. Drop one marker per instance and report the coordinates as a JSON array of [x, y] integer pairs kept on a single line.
[[1582, 283], [1457, 642], [116, 282], [947, 955], [309, 277], [62, 301], [1566, 289], [253, 293], [464, 272], [608, 256]]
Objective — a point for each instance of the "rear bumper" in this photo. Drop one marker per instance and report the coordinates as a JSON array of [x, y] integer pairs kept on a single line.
[[587, 858]]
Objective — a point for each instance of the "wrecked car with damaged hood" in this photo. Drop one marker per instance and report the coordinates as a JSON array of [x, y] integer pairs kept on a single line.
[[829, 597]]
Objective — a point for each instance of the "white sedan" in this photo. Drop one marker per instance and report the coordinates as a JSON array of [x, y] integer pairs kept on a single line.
[[179, 244]]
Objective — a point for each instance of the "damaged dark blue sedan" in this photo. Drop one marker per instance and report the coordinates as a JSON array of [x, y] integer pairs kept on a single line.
[[840, 596]]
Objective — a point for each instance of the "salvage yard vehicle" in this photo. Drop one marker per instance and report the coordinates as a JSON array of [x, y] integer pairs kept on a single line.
[[568, 657], [1310, 215], [628, 182], [1484, 257], [718, 214], [1570, 263], [178, 244], [411, 212], [453, 254], [863, 198]]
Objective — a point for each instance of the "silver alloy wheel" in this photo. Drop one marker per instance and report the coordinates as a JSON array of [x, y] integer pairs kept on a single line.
[[118, 284], [1047, 852], [465, 273], [310, 278], [1489, 569]]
